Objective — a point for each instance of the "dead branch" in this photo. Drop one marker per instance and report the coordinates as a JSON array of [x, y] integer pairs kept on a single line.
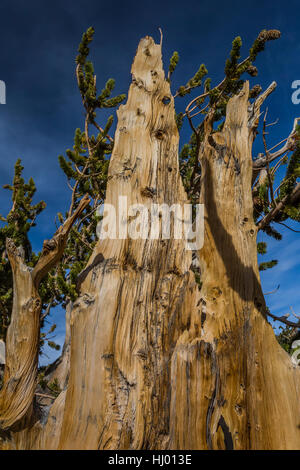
[[53, 249], [288, 146], [22, 342], [284, 319]]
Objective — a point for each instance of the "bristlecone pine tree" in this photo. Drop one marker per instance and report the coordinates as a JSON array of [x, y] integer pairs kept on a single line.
[[165, 348]]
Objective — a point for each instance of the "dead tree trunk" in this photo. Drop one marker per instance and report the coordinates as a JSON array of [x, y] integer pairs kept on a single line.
[[155, 363], [239, 380], [22, 343]]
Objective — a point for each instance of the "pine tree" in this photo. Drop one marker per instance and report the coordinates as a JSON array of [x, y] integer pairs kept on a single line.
[[162, 355], [16, 225]]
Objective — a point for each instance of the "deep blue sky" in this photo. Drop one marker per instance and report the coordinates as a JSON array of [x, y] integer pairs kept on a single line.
[[39, 39]]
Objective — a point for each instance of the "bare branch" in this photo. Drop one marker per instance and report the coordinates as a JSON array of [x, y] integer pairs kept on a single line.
[[289, 145], [254, 109], [290, 228], [284, 319], [44, 395], [161, 35], [16, 396], [273, 291], [53, 249], [268, 160], [47, 311]]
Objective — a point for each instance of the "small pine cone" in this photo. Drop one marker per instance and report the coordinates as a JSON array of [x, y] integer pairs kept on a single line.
[[269, 35], [252, 70], [255, 91]]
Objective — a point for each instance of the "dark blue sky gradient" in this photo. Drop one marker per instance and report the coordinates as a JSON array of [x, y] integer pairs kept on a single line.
[[39, 40]]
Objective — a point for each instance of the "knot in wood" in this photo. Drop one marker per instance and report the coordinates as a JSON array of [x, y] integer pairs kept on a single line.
[[148, 192], [159, 134]]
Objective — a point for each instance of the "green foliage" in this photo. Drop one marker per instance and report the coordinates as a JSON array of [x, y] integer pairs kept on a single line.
[[198, 280], [85, 166], [87, 81], [218, 98], [45, 338], [287, 336], [16, 225], [50, 387], [259, 44], [54, 388], [290, 209], [261, 248], [41, 379], [292, 173], [194, 82], [179, 120], [66, 167], [83, 48], [232, 62], [213, 100], [272, 232], [268, 265], [173, 63]]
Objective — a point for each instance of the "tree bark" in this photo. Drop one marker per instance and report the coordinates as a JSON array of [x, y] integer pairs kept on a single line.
[[22, 342], [243, 390], [154, 362]]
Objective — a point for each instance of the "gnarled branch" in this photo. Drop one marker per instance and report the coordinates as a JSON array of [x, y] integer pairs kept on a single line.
[[54, 248], [289, 144], [22, 343]]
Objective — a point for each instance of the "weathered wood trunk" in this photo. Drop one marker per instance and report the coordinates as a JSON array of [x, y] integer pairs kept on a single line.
[[154, 362], [233, 386]]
